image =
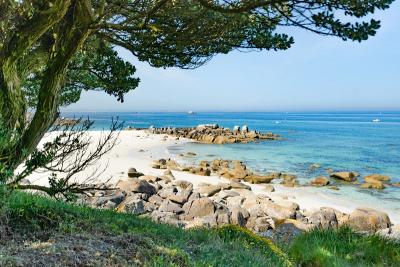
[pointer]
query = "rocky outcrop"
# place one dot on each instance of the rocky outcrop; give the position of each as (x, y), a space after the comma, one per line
(230, 169)
(375, 181)
(345, 176)
(177, 202)
(214, 134)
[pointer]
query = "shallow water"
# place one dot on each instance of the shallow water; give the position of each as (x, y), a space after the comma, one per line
(340, 141)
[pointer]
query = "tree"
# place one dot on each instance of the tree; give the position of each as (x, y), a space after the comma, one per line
(52, 50)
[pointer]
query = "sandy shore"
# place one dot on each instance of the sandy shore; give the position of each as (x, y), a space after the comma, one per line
(138, 149)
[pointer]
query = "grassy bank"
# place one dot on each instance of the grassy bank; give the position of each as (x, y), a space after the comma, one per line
(38, 231)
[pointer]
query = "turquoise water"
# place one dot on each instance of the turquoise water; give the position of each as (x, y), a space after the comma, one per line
(341, 141)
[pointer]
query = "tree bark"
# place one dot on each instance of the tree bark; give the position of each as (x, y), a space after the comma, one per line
(73, 35)
(12, 102)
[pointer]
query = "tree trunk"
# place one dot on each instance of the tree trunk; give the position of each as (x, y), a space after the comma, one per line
(75, 18)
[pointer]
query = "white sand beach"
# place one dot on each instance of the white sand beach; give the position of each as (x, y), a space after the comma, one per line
(138, 149)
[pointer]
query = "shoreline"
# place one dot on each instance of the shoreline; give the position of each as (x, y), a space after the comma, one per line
(138, 149)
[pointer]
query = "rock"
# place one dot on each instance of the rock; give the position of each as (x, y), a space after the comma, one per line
(239, 216)
(209, 190)
(168, 173)
(269, 188)
(227, 194)
(345, 176)
(235, 201)
(183, 184)
(169, 206)
(179, 199)
(286, 231)
(262, 224)
(223, 218)
(239, 185)
(201, 222)
(132, 205)
(116, 198)
(334, 187)
(167, 191)
(373, 184)
(137, 186)
(278, 212)
(156, 200)
(199, 207)
(369, 220)
(191, 154)
(376, 177)
(320, 181)
(132, 173)
(314, 166)
(396, 184)
(258, 179)
(167, 217)
(150, 178)
(324, 218)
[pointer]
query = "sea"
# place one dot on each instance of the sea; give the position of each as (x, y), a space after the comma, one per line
(365, 142)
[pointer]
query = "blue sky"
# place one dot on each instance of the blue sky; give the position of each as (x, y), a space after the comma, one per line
(317, 73)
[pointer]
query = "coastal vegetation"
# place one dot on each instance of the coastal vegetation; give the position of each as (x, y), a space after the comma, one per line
(35, 230)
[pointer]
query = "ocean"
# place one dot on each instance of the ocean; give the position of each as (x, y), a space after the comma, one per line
(341, 141)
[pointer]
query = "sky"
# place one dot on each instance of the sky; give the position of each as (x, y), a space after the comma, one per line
(317, 74)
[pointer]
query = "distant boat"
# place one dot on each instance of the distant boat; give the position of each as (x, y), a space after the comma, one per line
(191, 112)
(376, 120)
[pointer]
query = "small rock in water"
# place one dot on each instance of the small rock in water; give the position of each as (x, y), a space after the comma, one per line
(345, 176)
(320, 181)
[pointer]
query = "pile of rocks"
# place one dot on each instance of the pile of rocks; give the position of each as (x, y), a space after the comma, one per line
(177, 202)
(213, 134)
(230, 169)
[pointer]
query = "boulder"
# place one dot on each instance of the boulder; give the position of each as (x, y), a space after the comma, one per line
(169, 206)
(320, 181)
(156, 200)
(258, 179)
(373, 184)
(132, 205)
(209, 190)
(345, 176)
(132, 173)
(324, 218)
(238, 185)
(376, 177)
(199, 207)
(239, 216)
(235, 201)
(167, 191)
(137, 186)
(227, 194)
(369, 220)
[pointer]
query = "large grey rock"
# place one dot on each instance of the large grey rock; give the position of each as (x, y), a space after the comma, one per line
(132, 205)
(137, 186)
(324, 218)
(209, 190)
(199, 207)
(369, 220)
(169, 206)
(239, 216)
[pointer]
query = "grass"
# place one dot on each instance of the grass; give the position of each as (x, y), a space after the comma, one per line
(45, 231)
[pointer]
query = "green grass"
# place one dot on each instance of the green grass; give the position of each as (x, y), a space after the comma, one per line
(344, 248)
(119, 239)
